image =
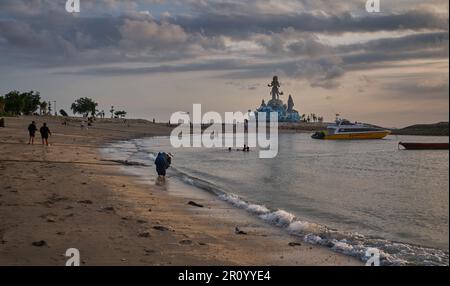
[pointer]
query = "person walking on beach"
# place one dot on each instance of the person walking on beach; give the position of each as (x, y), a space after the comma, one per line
(45, 132)
(32, 132)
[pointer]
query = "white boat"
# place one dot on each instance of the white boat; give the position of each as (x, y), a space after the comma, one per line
(343, 129)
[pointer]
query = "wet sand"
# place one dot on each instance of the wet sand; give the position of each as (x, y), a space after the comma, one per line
(66, 196)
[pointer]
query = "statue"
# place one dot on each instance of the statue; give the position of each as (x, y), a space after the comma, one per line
(286, 112)
(275, 85)
(290, 104)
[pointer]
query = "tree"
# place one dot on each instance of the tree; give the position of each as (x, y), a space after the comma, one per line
(31, 101)
(43, 108)
(120, 114)
(13, 102)
(84, 106)
(2, 104)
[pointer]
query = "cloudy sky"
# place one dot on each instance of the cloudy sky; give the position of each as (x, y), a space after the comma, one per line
(155, 57)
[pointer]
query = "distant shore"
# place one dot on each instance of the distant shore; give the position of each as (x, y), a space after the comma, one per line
(67, 196)
(437, 129)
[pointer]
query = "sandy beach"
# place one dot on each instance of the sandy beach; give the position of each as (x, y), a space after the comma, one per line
(66, 196)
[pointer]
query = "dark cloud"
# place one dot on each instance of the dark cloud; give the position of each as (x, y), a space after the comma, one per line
(271, 36)
(244, 25)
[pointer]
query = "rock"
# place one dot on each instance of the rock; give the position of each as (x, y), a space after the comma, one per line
(294, 244)
(239, 232)
(186, 242)
(161, 228)
(86, 202)
(149, 251)
(39, 243)
(145, 234)
(54, 198)
(141, 221)
(194, 204)
(106, 209)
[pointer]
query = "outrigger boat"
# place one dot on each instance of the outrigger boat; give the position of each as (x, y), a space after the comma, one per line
(424, 146)
(345, 130)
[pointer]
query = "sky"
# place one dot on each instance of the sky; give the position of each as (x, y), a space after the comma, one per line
(156, 57)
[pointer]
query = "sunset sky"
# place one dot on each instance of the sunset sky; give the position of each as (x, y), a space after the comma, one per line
(156, 57)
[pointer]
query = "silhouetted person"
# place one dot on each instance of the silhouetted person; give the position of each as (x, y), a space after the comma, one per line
(163, 162)
(32, 132)
(45, 132)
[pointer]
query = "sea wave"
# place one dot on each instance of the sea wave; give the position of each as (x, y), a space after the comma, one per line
(353, 244)
(349, 243)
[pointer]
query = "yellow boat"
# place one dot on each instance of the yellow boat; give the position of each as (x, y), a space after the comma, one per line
(345, 130)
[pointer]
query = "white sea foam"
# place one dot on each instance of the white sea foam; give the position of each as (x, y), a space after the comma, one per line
(342, 246)
(238, 202)
(279, 218)
(353, 244)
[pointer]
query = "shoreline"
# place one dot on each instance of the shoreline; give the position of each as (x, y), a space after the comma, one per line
(114, 220)
(354, 244)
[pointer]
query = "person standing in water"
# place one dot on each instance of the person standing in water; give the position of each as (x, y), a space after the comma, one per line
(32, 132)
(45, 132)
(162, 163)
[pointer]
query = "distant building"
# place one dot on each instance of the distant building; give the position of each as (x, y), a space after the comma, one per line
(286, 113)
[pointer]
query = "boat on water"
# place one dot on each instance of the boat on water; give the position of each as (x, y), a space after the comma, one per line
(343, 129)
(424, 146)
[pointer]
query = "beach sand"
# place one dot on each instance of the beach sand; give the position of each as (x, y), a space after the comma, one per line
(65, 196)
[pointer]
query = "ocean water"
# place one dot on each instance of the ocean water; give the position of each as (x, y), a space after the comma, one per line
(346, 195)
